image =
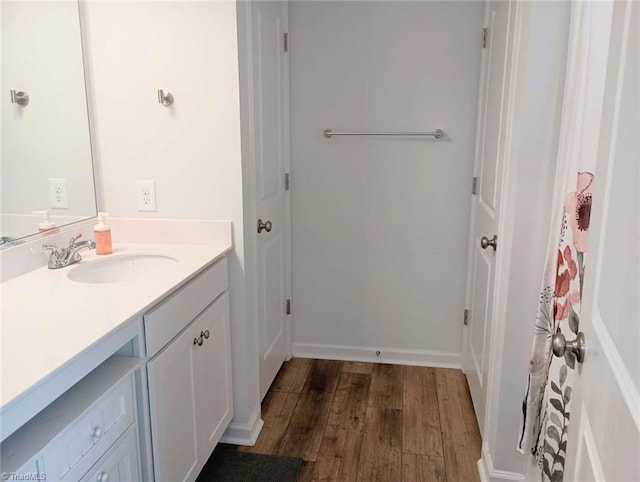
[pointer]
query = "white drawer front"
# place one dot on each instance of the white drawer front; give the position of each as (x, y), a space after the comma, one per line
(72, 453)
(32, 469)
(121, 463)
(166, 320)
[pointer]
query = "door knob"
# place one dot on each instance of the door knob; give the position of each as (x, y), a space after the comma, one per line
(486, 242)
(561, 346)
(264, 226)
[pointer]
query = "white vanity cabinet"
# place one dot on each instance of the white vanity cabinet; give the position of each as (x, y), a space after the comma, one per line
(190, 392)
(141, 393)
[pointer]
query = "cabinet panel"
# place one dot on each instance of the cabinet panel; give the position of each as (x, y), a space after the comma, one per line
(213, 375)
(120, 464)
(173, 412)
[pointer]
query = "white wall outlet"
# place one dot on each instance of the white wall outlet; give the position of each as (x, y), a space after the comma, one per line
(146, 195)
(58, 197)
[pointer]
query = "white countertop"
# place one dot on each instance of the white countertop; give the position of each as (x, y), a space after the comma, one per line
(49, 320)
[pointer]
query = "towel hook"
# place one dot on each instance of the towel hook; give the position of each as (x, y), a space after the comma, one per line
(166, 99)
(20, 98)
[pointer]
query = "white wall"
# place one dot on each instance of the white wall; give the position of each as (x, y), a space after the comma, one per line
(380, 225)
(48, 138)
(537, 127)
(192, 148)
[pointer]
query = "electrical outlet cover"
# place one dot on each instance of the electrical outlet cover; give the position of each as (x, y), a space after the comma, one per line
(58, 195)
(146, 195)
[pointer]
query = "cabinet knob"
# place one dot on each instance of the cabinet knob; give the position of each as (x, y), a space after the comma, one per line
(198, 341)
(205, 333)
(102, 477)
(266, 226)
(97, 433)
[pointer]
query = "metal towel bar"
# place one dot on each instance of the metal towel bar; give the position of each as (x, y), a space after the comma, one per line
(438, 133)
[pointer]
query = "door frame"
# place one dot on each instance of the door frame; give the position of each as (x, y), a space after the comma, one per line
(512, 129)
(249, 197)
(523, 40)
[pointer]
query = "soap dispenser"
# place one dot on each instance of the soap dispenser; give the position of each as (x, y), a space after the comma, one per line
(45, 224)
(102, 232)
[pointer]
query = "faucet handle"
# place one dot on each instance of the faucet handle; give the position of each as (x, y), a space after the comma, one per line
(73, 240)
(53, 250)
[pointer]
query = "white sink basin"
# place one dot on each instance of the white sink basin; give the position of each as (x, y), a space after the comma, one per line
(120, 268)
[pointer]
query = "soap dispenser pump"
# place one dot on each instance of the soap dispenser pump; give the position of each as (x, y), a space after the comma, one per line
(102, 232)
(45, 224)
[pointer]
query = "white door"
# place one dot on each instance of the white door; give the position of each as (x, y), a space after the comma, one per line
(484, 220)
(270, 145)
(604, 437)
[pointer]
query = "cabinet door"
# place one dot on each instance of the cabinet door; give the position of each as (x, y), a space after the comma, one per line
(173, 413)
(212, 363)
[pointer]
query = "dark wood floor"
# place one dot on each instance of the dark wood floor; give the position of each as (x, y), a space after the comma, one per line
(353, 421)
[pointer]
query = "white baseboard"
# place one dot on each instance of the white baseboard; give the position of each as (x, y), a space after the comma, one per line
(246, 433)
(394, 356)
(489, 474)
(482, 470)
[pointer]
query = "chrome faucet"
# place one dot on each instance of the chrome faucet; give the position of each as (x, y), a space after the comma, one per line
(6, 240)
(61, 257)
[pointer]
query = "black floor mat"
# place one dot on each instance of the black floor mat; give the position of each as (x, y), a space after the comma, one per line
(228, 465)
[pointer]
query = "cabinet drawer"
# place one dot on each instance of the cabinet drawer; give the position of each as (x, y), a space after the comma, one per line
(86, 440)
(31, 468)
(166, 320)
(121, 463)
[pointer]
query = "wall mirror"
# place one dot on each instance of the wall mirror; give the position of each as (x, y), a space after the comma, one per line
(46, 168)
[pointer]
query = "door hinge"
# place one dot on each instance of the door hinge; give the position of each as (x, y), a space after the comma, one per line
(287, 308)
(465, 320)
(286, 41)
(485, 37)
(474, 186)
(287, 181)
